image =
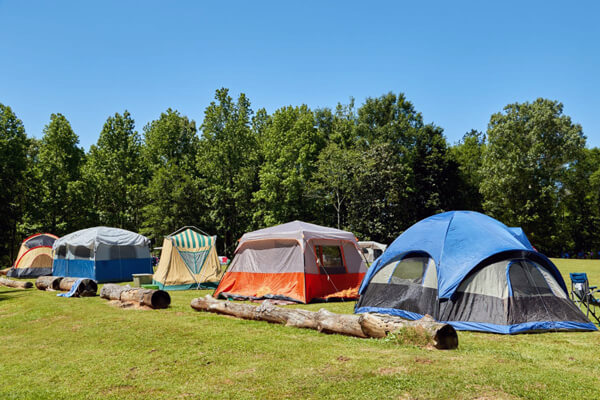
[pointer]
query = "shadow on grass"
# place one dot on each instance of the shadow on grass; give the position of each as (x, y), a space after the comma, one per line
(11, 294)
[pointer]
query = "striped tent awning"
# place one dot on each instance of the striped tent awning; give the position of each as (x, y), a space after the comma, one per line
(192, 240)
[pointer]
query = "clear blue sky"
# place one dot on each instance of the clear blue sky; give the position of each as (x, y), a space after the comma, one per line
(458, 62)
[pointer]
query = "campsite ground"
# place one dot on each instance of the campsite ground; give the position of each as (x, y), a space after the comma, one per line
(59, 348)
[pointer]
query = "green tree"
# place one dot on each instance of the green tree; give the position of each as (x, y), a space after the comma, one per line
(334, 182)
(531, 146)
(171, 139)
(227, 166)
(338, 126)
(579, 206)
(175, 200)
(389, 119)
(468, 153)
(434, 177)
(429, 174)
(290, 147)
(116, 174)
(30, 222)
(377, 209)
(58, 168)
(170, 149)
(13, 163)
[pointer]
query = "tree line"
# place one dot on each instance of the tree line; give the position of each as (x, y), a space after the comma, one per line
(374, 170)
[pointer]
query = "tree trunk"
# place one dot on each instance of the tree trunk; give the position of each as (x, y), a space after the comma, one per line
(144, 297)
(16, 284)
(48, 282)
(443, 336)
(87, 287)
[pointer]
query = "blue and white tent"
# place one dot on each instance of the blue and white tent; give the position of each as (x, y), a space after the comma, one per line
(103, 254)
(471, 271)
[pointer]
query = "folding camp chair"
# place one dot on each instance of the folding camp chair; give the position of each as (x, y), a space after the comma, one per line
(584, 294)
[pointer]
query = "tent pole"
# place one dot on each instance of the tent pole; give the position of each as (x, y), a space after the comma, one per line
(188, 227)
(169, 267)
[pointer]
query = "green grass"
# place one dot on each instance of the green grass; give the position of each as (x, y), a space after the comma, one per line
(57, 348)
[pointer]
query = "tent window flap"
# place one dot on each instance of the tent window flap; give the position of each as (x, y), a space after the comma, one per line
(330, 260)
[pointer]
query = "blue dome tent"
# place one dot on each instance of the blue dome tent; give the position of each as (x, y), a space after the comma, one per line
(473, 272)
(103, 254)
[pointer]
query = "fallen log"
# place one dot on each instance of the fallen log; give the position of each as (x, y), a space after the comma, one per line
(16, 284)
(347, 324)
(295, 317)
(442, 336)
(87, 287)
(380, 325)
(322, 320)
(144, 297)
(48, 282)
(111, 291)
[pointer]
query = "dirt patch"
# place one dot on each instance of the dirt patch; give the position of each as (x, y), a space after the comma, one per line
(188, 395)
(536, 386)
(119, 389)
(248, 371)
(492, 394)
(343, 358)
(128, 305)
(392, 371)
(132, 373)
(420, 360)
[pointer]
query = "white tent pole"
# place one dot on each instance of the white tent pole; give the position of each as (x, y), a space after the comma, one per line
(189, 227)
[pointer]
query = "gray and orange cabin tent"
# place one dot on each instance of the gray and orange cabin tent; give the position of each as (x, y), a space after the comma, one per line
(295, 261)
(35, 257)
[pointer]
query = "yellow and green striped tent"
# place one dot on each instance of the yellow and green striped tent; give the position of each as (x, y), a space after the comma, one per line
(188, 260)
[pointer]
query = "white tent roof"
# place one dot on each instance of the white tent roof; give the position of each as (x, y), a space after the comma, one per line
(91, 237)
(372, 245)
(298, 230)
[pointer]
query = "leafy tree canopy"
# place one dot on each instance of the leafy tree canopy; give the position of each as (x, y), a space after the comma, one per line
(531, 146)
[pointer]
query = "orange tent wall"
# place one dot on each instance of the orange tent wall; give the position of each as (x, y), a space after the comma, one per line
(336, 285)
(254, 284)
(295, 285)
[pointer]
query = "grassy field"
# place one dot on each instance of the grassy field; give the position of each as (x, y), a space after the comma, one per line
(58, 348)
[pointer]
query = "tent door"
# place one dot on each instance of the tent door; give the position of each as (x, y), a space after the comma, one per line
(194, 261)
(526, 280)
